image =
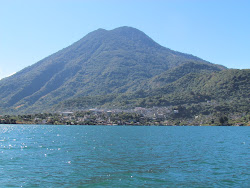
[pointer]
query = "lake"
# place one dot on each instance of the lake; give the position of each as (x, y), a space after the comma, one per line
(122, 156)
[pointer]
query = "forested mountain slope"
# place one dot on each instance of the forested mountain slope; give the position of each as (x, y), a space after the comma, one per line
(101, 63)
(227, 91)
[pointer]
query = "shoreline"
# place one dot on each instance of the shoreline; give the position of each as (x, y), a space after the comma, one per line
(129, 125)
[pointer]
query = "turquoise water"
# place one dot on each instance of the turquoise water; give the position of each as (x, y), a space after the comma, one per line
(107, 156)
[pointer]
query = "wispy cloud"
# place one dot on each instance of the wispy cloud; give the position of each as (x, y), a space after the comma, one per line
(2, 75)
(11, 74)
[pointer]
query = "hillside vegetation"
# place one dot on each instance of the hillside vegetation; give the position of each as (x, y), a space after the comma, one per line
(222, 91)
(125, 69)
(101, 63)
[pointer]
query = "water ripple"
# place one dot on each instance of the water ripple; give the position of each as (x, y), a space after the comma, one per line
(99, 156)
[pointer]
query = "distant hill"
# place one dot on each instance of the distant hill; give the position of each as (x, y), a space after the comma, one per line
(195, 87)
(103, 63)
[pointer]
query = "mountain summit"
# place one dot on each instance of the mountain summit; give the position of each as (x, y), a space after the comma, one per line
(102, 62)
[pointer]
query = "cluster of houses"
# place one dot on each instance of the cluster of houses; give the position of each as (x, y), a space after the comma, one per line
(136, 116)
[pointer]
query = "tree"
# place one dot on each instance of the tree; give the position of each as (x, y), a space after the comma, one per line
(223, 120)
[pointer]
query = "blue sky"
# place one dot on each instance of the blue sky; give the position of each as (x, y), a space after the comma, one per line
(215, 30)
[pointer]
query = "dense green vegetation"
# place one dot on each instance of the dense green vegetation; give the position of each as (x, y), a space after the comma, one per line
(102, 63)
(200, 93)
(124, 69)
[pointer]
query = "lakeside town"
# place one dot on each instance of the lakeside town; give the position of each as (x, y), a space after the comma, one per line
(159, 116)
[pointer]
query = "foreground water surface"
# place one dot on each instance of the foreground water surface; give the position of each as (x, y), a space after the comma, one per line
(107, 156)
